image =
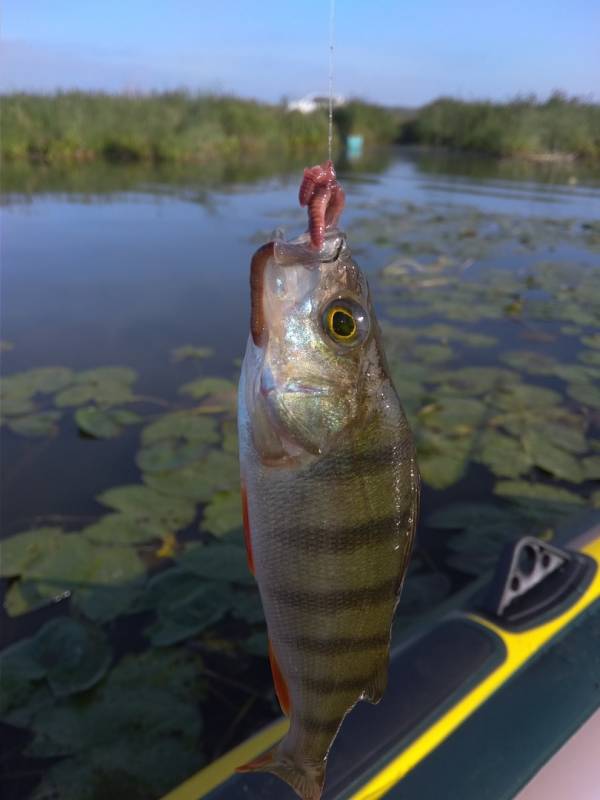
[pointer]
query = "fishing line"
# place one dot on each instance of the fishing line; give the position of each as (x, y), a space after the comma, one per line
(331, 49)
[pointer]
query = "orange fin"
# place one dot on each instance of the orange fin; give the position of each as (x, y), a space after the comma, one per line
(247, 538)
(281, 689)
(306, 780)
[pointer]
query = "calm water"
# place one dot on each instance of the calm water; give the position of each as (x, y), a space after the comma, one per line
(120, 266)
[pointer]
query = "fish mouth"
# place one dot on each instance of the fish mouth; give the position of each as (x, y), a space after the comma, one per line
(269, 387)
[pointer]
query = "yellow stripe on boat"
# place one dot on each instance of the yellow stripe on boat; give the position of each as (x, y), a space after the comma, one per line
(520, 647)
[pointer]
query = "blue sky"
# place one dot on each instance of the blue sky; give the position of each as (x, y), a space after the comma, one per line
(392, 52)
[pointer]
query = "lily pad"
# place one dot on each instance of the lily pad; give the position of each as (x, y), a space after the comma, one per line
(105, 386)
(585, 393)
(223, 514)
(187, 606)
(169, 455)
(119, 529)
(216, 471)
(190, 351)
(545, 454)
(503, 455)
(203, 387)
(137, 734)
(35, 426)
(21, 551)
(104, 423)
(43, 380)
(181, 425)
(71, 656)
(537, 491)
(217, 562)
(149, 507)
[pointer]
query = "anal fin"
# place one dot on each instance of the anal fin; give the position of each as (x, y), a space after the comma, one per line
(281, 689)
(306, 780)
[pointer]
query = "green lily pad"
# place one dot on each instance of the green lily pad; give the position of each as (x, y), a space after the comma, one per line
(590, 357)
(43, 380)
(216, 471)
(526, 395)
(189, 351)
(217, 562)
(503, 455)
(537, 491)
(591, 341)
(105, 386)
(433, 353)
(218, 394)
(585, 393)
(21, 551)
(71, 656)
(468, 381)
(186, 606)
(223, 514)
(119, 529)
(169, 455)
(35, 426)
(545, 454)
(184, 425)
(104, 423)
(530, 361)
(137, 734)
(591, 467)
(147, 506)
(448, 413)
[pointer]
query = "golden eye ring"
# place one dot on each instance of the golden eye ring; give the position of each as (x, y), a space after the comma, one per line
(341, 324)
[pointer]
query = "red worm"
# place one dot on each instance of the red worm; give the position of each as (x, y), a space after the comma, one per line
(324, 197)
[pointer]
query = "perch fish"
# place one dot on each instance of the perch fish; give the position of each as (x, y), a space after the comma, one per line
(330, 484)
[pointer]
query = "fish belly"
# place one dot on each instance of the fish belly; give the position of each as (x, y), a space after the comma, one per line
(331, 542)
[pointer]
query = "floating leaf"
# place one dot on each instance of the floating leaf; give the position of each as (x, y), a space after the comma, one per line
(585, 393)
(104, 423)
(525, 395)
(135, 736)
(147, 506)
(43, 380)
(223, 514)
(203, 387)
(590, 357)
(433, 353)
(530, 361)
(537, 491)
(591, 467)
(106, 386)
(216, 471)
(184, 425)
(186, 606)
(544, 453)
(448, 413)
(169, 455)
(71, 656)
(503, 455)
(217, 562)
(120, 529)
(21, 551)
(37, 425)
(191, 351)
(591, 341)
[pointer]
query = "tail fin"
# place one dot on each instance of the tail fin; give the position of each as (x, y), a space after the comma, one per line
(306, 779)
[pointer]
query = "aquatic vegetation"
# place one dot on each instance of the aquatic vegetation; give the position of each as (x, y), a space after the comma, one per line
(492, 342)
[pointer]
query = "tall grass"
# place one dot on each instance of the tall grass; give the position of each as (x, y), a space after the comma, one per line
(523, 127)
(179, 127)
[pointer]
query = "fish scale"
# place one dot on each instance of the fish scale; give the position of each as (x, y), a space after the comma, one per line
(331, 486)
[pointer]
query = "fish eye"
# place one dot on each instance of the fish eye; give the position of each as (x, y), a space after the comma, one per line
(345, 322)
